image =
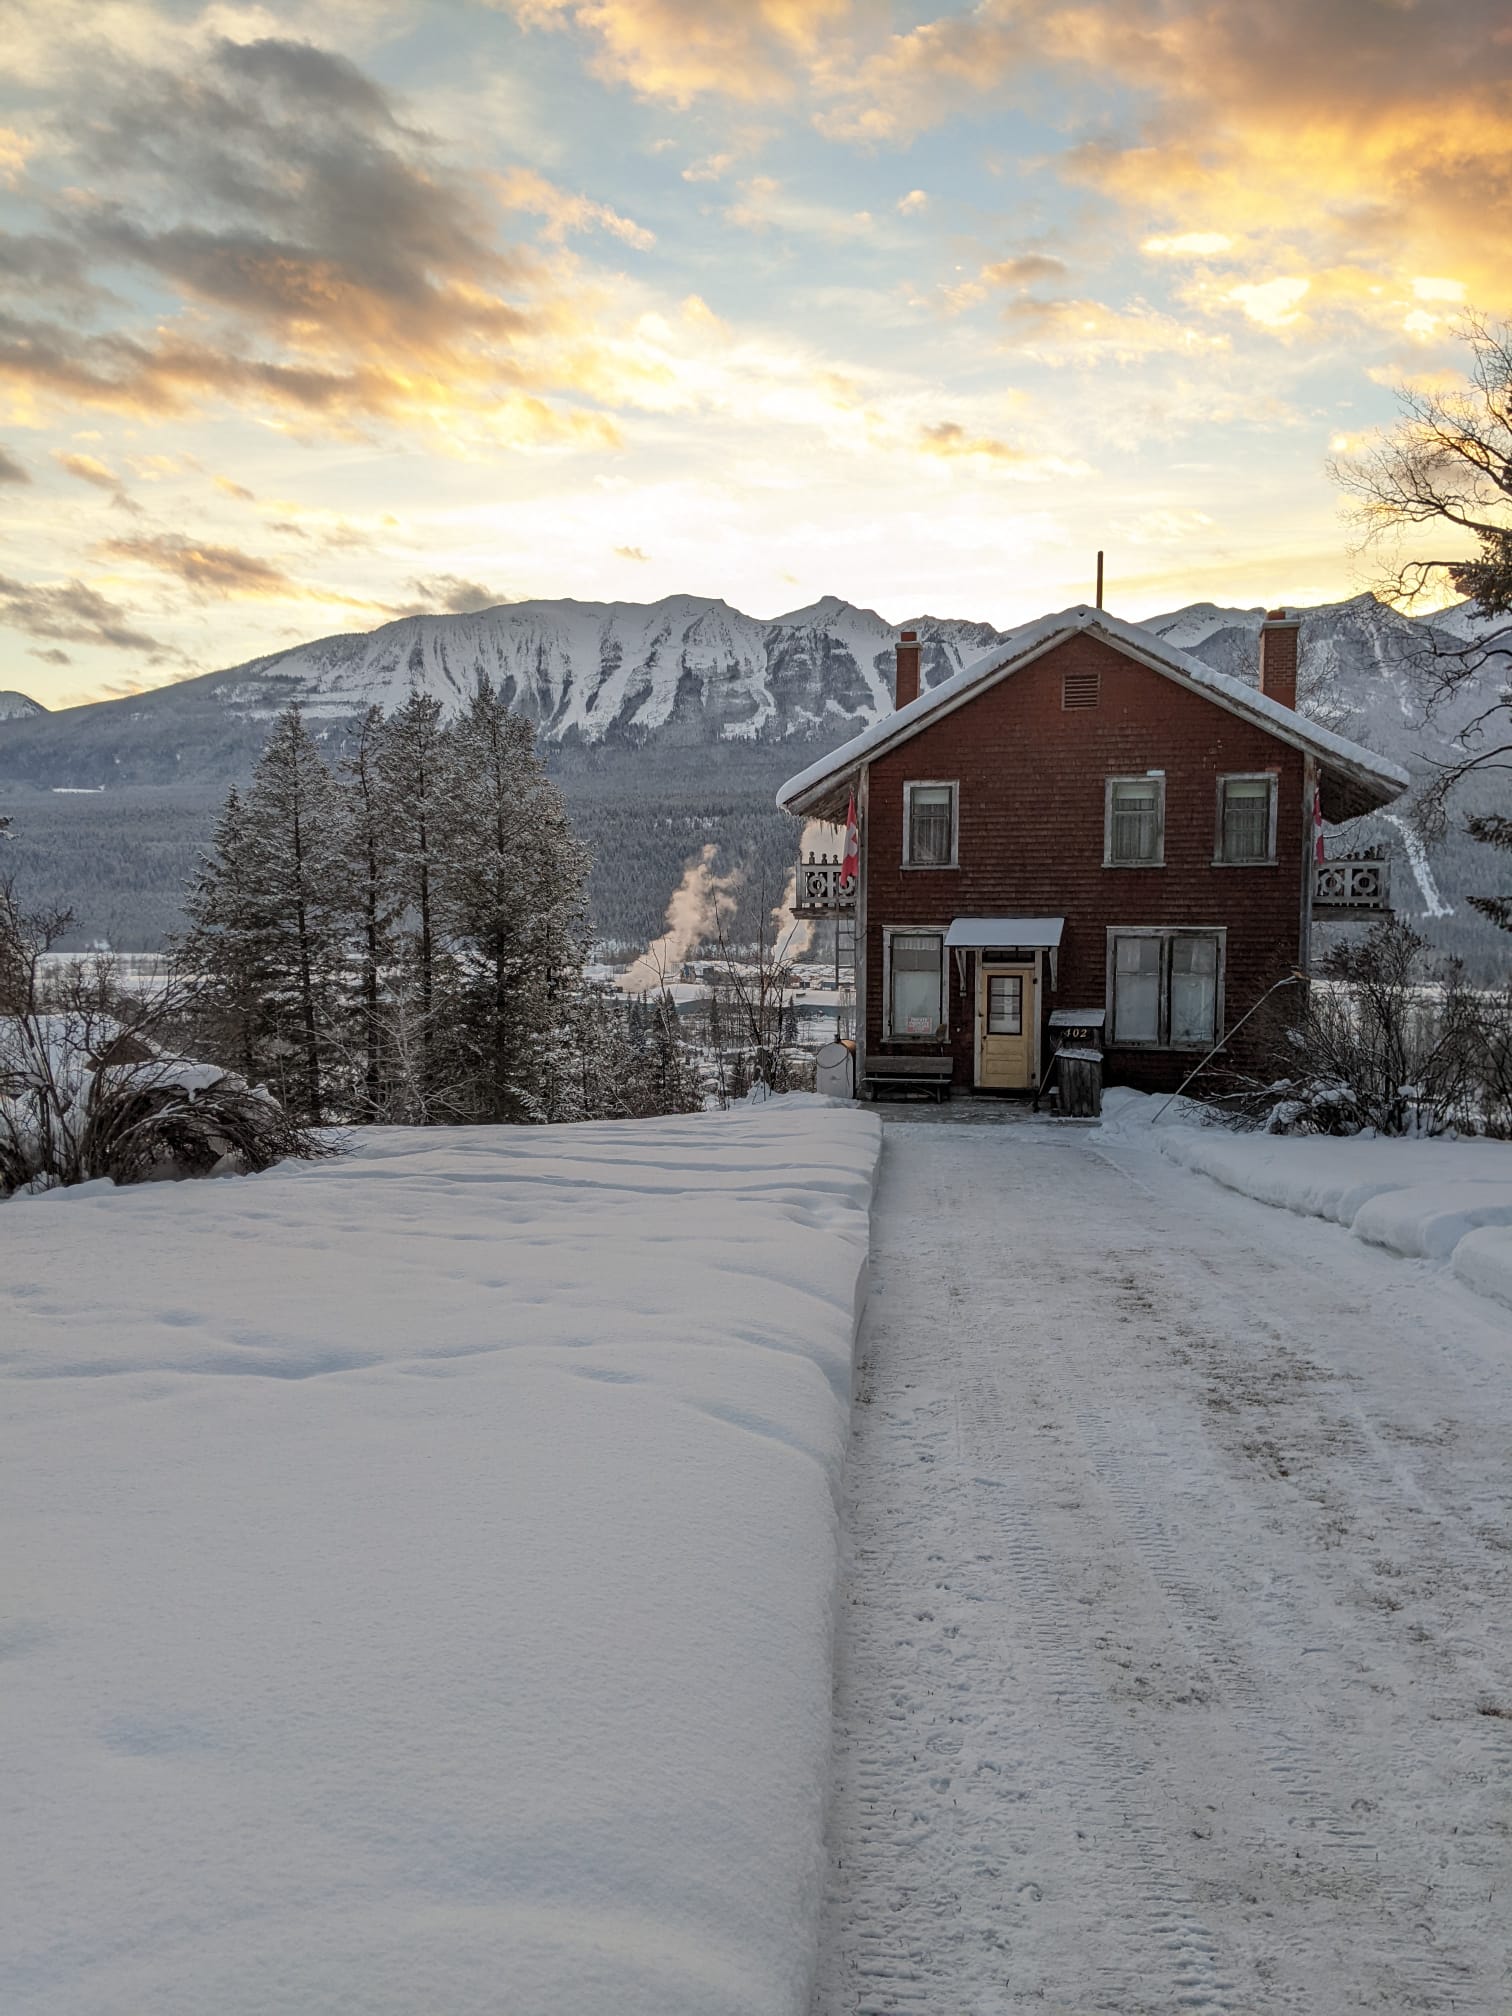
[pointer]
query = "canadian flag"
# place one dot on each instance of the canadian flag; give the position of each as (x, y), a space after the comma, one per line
(1317, 826)
(850, 857)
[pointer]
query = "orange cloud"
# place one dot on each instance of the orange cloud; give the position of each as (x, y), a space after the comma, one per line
(326, 264)
(1360, 133)
(222, 573)
(524, 189)
(679, 50)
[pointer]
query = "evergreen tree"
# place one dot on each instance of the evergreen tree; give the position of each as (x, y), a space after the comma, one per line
(366, 843)
(1495, 831)
(410, 769)
(222, 952)
(300, 901)
(509, 899)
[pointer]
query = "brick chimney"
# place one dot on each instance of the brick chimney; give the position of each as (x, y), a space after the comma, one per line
(906, 679)
(1278, 656)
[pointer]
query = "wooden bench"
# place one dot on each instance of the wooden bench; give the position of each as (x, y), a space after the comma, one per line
(924, 1075)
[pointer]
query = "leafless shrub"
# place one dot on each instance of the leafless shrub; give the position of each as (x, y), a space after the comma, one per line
(1388, 1040)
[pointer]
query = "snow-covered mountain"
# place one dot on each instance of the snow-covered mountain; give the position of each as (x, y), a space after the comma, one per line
(19, 707)
(644, 702)
(680, 671)
(681, 668)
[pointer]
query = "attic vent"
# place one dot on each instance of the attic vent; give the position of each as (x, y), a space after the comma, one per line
(1079, 689)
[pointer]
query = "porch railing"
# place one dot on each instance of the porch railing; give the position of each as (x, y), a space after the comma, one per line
(1353, 882)
(819, 893)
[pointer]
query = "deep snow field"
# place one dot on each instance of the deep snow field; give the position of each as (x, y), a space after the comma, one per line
(421, 1572)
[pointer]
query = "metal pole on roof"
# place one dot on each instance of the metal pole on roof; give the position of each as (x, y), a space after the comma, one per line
(1099, 580)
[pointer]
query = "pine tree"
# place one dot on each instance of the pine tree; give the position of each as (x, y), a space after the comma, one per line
(222, 952)
(1495, 831)
(301, 900)
(366, 844)
(410, 769)
(509, 899)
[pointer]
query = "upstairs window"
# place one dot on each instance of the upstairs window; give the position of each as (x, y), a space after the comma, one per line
(1134, 833)
(1246, 819)
(1165, 988)
(929, 826)
(915, 983)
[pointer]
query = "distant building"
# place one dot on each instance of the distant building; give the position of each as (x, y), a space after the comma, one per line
(1089, 823)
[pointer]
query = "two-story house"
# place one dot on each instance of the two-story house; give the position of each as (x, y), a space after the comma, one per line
(1088, 825)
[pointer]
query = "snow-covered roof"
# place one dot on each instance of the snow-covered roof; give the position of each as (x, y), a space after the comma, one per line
(974, 934)
(1380, 777)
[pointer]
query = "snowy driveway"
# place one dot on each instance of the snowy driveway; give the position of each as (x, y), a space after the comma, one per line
(1174, 1670)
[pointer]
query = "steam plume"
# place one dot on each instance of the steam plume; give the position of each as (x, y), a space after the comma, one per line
(701, 901)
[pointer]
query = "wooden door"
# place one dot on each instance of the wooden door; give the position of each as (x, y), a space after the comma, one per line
(1006, 1021)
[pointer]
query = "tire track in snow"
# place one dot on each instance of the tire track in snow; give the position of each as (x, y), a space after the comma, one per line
(1109, 1685)
(1148, 1885)
(1289, 1759)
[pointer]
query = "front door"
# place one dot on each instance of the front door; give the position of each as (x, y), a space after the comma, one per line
(1006, 1020)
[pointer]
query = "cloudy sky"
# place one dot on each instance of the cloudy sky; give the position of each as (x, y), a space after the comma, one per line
(310, 316)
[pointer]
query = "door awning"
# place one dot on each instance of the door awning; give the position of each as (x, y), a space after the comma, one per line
(975, 934)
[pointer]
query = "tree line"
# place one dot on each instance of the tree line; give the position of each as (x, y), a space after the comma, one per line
(402, 936)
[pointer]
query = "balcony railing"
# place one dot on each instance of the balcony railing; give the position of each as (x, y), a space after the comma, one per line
(1359, 882)
(819, 893)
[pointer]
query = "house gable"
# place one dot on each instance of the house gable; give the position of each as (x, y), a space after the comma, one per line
(1354, 779)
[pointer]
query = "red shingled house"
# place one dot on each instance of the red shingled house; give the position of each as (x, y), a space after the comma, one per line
(1085, 828)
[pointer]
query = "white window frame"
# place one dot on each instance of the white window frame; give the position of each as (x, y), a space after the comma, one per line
(950, 784)
(1165, 933)
(1144, 777)
(889, 1034)
(1268, 858)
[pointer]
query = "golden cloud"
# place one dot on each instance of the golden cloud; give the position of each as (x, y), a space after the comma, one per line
(215, 573)
(525, 189)
(679, 50)
(15, 151)
(323, 261)
(89, 469)
(1378, 136)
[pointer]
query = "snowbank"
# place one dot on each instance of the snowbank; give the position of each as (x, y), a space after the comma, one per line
(423, 1573)
(1449, 1201)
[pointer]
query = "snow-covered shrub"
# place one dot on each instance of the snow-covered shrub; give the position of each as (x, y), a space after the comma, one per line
(78, 1103)
(90, 1087)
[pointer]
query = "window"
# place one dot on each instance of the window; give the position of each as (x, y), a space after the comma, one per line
(929, 835)
(1134, 834)
(916, 983)
(1136, 990)
(1005, 1004)
(1166, 988)
(1246, 819)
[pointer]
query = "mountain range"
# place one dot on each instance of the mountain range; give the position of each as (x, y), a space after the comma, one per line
(662, 706)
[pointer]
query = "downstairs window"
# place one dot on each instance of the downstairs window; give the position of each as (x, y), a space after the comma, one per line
(1165, 988)
(916, 983)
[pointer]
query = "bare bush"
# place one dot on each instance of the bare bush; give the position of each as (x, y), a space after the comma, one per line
(1387, 1040)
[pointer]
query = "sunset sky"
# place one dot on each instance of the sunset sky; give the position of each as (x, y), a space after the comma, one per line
(313, 315)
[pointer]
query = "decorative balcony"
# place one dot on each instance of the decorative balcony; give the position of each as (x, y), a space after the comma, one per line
(819, 893)
(1355, 885)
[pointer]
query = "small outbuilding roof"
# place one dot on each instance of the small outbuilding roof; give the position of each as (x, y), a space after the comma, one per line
(975, 934)
(1366, 780)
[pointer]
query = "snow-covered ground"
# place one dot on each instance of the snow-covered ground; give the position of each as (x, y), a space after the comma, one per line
(1175, 1670)
(420, 1572)
(1444, 1201)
